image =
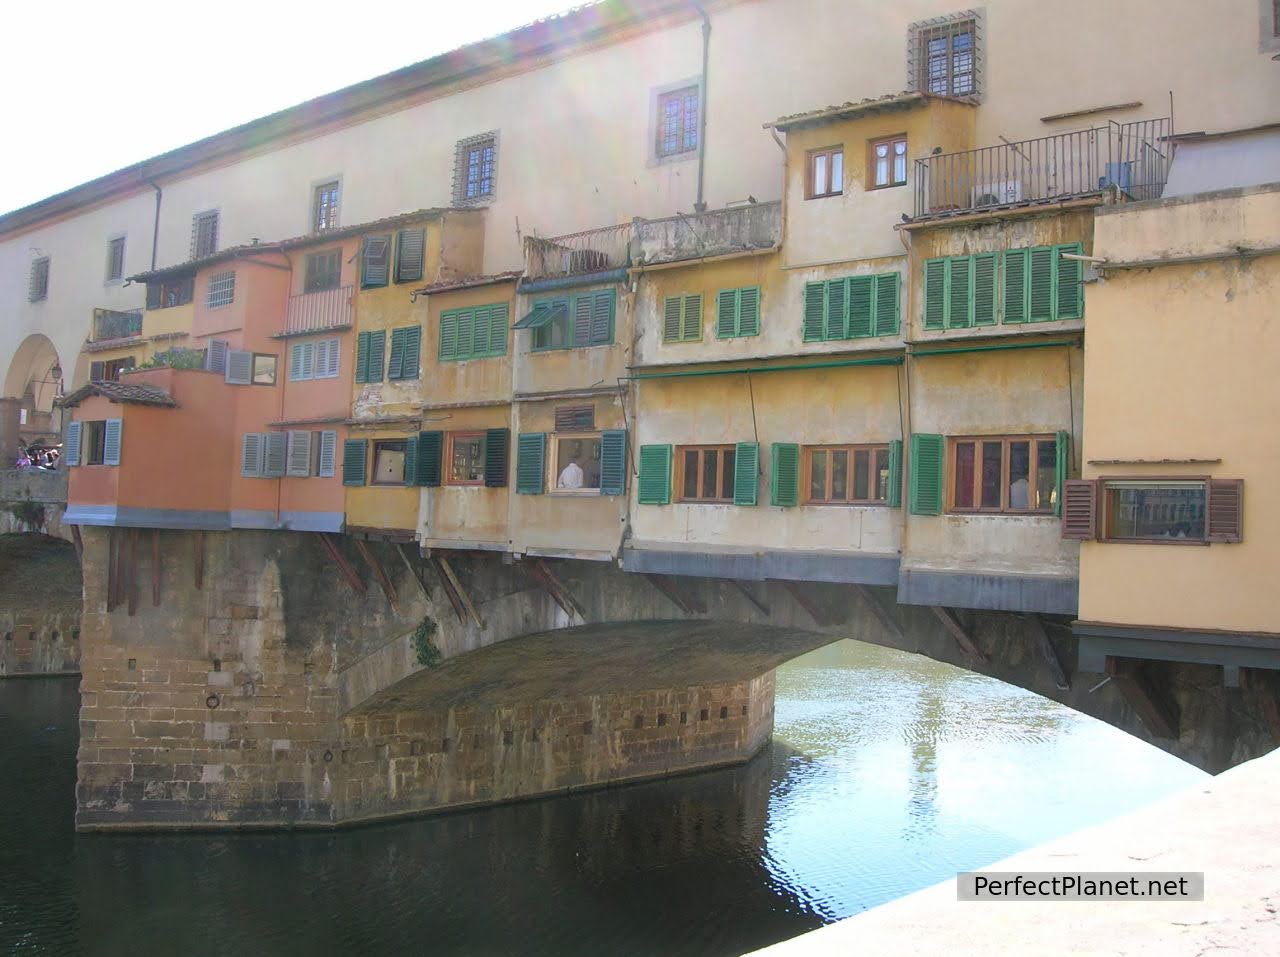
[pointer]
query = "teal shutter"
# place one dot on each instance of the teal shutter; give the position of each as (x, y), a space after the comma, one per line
(926, 474)
(749, 311)
(894, 496)
(959, 292)
(395, 367)
(886, 290)
(1040, 293)
(410, 244)
(448, 336)
(430, 453)
(411, 460)
(862, 306)
(499, 329)
(655, 475)
(412, 352)
(746, 473)
(726, 313)
(377, 351)
(530, 473)
(815, 310)
(497, 445)
(1068, 279)
(1015, 285)
(613, 462)
(935, 294)
(72, 447)
(353, 461)
(836, 320)
(111, 438)
(362, 357)
(602, 309)
(784, 488)
(374, 260)
(984, 289)
(1062, 469)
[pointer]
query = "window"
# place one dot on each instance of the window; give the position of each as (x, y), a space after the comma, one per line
(264, 454)
(853, 307)
(826, 173)
(410, 244)
(109, 370)
(38, 281)
(473, 333)
(311, 454)
(582, 320)
(1015, 286)
(324, 271)
(315, 359)
(388, 462)
(264, 369)
(375, 261)
(575, 418)
(1004, 473)
(406, 352)
(706, 473)
(325, 200)
(847, 475)
(204, 234)
(475, 169)
(170, 292)
(370, 350)
(222, 290)
(677, 122)
(1155, 511)
(945, 56)
(682, 318)
(888, 162)
(466, 458)
(577, 463)
(115, 259)
(95, 439)
(738, 312)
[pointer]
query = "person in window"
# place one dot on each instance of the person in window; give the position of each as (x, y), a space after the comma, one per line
(1018, 489)
(571, 475)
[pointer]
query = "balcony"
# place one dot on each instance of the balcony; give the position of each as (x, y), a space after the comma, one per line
(577, 254)
(719, 232)
(111, 324)
(1131, 158)
(319, 311)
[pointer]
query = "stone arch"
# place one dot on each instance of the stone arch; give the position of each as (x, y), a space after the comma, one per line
(29, 390)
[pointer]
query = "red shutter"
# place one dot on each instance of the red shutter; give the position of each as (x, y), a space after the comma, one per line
(1080, 509)
(1226, 510)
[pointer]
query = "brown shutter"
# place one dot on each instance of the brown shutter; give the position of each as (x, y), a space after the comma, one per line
(1226, 510)
(1080, 509)
(575, 418)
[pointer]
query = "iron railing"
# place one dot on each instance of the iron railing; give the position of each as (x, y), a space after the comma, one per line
(317, 311)
(716, 232)
(577, 254)
(112, 324)
(1131, 158)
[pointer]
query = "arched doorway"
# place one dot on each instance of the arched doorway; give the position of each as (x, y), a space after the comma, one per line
(32, 382)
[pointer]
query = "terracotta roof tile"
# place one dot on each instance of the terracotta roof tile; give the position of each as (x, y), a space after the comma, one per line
(118, 392)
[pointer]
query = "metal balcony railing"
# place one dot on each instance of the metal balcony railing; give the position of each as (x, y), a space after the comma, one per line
(1131, 158)
(577, 254)
(112, 324)
(317, 311)
(714, 233)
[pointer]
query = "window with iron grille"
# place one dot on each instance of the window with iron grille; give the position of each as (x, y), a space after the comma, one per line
(325, 200)
(677, 122)
(324, 271)
(944, 55)
(222, 290)
(204, 234)
(115, 259)
(475, 169)
(38, 281)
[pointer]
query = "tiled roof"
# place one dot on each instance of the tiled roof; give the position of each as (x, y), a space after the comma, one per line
(445, 285)
(875, 104)
(119, 392)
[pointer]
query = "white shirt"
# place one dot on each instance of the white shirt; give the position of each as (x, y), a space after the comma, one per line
(571, 476)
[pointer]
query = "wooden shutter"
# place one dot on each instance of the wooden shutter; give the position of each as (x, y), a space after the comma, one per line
(497, 449)
(984, 289)
(1040, 292)
(815, 311)
(499, 322)
(354, 452)
(275, 459)
(530, 472)
(575, 418)
(96, 370)
(153, 295)
(862, 306)
(894, 492)
(746, 473)
(727, 313)
(654, 486)
(784, 489)
(959, 292)
(309, 360)
(295, 361)
(581, 320)
(835, 320)
(328, 454)
(1068, 298)
(409, 248)
(251, 455)
(430, 456)
(362, 357)
(1080, 509)
(926, 474)
(239, 367)
(613, 462)
(480, 331)
(71, 446)
(299, 454)
(466, 320)
(374, 260)
(691, 318)
(377, 350)
(886, 289)
(1062, 468)
(935, 294)
(602, 307)
(672, 308)
(448, 336)
(749, 311)
(1225, 509)
(332, 359)
(395, 367)
(1015, 285)
(412, 352)
(411, 460)
(215, 357)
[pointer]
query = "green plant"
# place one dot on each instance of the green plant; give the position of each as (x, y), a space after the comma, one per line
(30, 514)
(175, 358)
(424, 647)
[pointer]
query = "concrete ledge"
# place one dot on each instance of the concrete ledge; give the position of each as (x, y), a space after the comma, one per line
(748, 564)
(111, 515)
(313, 521)
(994, 592)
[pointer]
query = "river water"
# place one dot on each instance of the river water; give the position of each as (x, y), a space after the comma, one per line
(888, 772)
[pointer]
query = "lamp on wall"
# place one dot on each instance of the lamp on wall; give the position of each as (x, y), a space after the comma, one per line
(55, 374)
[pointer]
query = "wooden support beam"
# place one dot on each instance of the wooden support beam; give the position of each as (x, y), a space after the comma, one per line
(806, 601)
(155, 567)
(132, 572)
(674, 594)
(455, 599)
(379, 573)
(1157, 711)
(951, 622)
(449, 575)
(742, 590)
(887, 620)
(78, 541)
(412, 569)
(552, 585)
(199, 548)
(1047, 651)
(345, 567)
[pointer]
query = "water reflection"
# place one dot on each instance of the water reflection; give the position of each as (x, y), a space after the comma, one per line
(888, 772)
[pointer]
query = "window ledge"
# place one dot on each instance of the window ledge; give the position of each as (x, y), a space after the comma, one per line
(575, 492)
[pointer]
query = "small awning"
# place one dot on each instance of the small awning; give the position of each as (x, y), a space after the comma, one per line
(541, 314)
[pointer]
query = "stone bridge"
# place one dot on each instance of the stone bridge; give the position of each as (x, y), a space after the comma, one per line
(287, 679)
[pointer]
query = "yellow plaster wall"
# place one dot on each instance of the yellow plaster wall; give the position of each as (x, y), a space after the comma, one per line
(380, 506)
(158, 322)
(467, 513)
(470, 380)
(553, 370)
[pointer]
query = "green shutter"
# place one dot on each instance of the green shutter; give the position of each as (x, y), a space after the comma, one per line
(497, 445)
(726, 313)
(984, 289)
(480, 331)
(530, 453)
(377, 350)
(466, 333)
(374, 259)
(603, 304)
(411, 460)
(836, 318)
(784, 487)
(691, 318)
(499, 321)
(353, 460)
(449, 335)
(894, 498)
(1040, 293)
(886, 290)
(395, 367)
(412, 352)
(862, 306)
(362, 357)
(935, 293)
(749, 311)
(1015, 285)
(410, 244)
(926, 474)
(671, 312)
(1069, 291)
(655, 475)
(613, 462)
(1062, 469)
(746, 473)
(815, 311)
(430, 452)
(959, 292)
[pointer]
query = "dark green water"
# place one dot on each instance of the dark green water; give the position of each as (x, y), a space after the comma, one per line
(888, 772)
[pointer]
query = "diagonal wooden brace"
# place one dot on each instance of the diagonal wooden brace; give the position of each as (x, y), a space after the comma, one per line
(379, 573)
(345, 567)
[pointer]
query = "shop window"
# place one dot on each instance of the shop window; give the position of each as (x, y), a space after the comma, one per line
(1008, 474)
(466, 458)
(847, 475)
(388, 462)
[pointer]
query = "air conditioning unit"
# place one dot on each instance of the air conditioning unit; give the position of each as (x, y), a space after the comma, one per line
(1001, 193)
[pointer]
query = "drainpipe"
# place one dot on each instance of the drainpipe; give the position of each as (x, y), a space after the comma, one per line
(700, 206)
(155, 230)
